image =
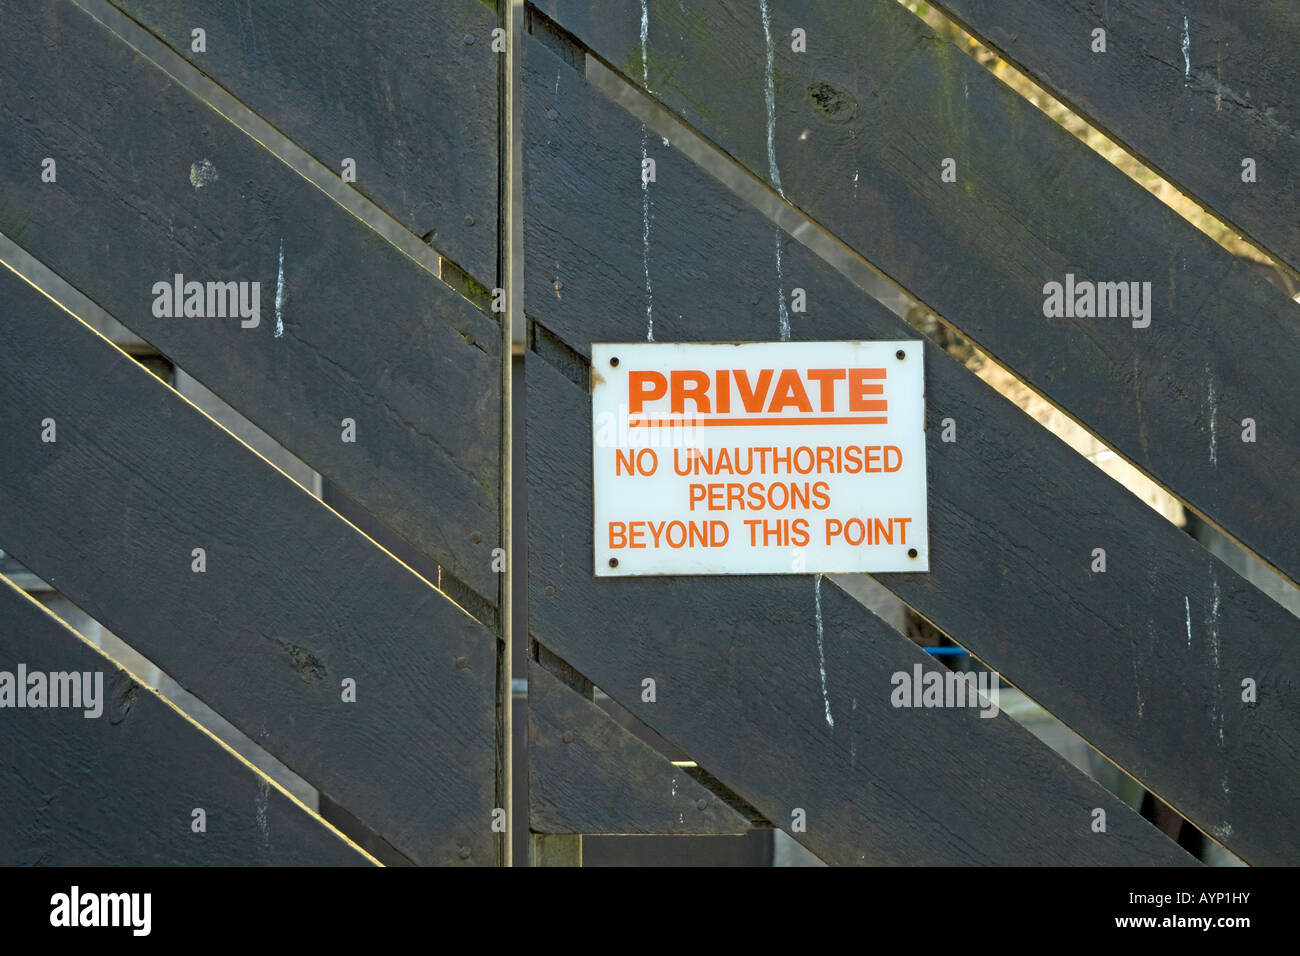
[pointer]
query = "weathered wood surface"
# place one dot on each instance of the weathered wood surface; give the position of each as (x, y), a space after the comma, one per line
(293, 599)
(589, 775)
(406, 88)
(1192, 114)
(555, 849)
(1014, 512)
(121, 787)
(736, 665)
(152, 182)
(859, 128)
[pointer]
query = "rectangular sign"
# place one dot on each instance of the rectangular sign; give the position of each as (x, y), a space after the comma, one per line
(759, 458)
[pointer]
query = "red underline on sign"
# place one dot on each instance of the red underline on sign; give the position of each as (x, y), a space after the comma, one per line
(728, 422)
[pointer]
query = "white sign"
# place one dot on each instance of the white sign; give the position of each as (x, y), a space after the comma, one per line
(759, 458)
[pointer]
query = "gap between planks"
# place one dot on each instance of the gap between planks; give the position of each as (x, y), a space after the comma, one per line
(34, 272)
(150, 689)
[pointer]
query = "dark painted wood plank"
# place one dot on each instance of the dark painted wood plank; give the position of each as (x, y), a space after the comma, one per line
(293, 600)
(1014, 512)
(736, 665)
(1236, 94)
(589, 775)
(121, 787)
(367, 334)
(406, 88)
(861, 125)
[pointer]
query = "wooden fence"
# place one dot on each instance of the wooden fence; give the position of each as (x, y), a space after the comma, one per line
(153, 181)
(892, 145)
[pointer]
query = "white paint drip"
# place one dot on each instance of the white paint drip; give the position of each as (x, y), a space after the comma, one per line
(645, 246)
(674, 786)
(853, 148)
(645, 37)
(1187, 46)
(821, 649)
(279, 295)
(263, 792)
(1138, 688)
(773, 170)
(1217, 711)
(783, 323)
(645, 185)
(1214, 421)
(1187, 606)
(769, 92)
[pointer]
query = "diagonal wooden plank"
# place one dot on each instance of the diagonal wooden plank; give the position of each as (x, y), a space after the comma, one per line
(292, 600)
(856, 135)
(151, 183)
(121, 786)
(1014, 513)
(587, 774)
(406, 89)
(736, 667)
(1192, 113)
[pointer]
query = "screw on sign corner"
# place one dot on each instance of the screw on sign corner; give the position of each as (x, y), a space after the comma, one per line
(614, 360)
(900, 355)
(911, 552)
(613, 562)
